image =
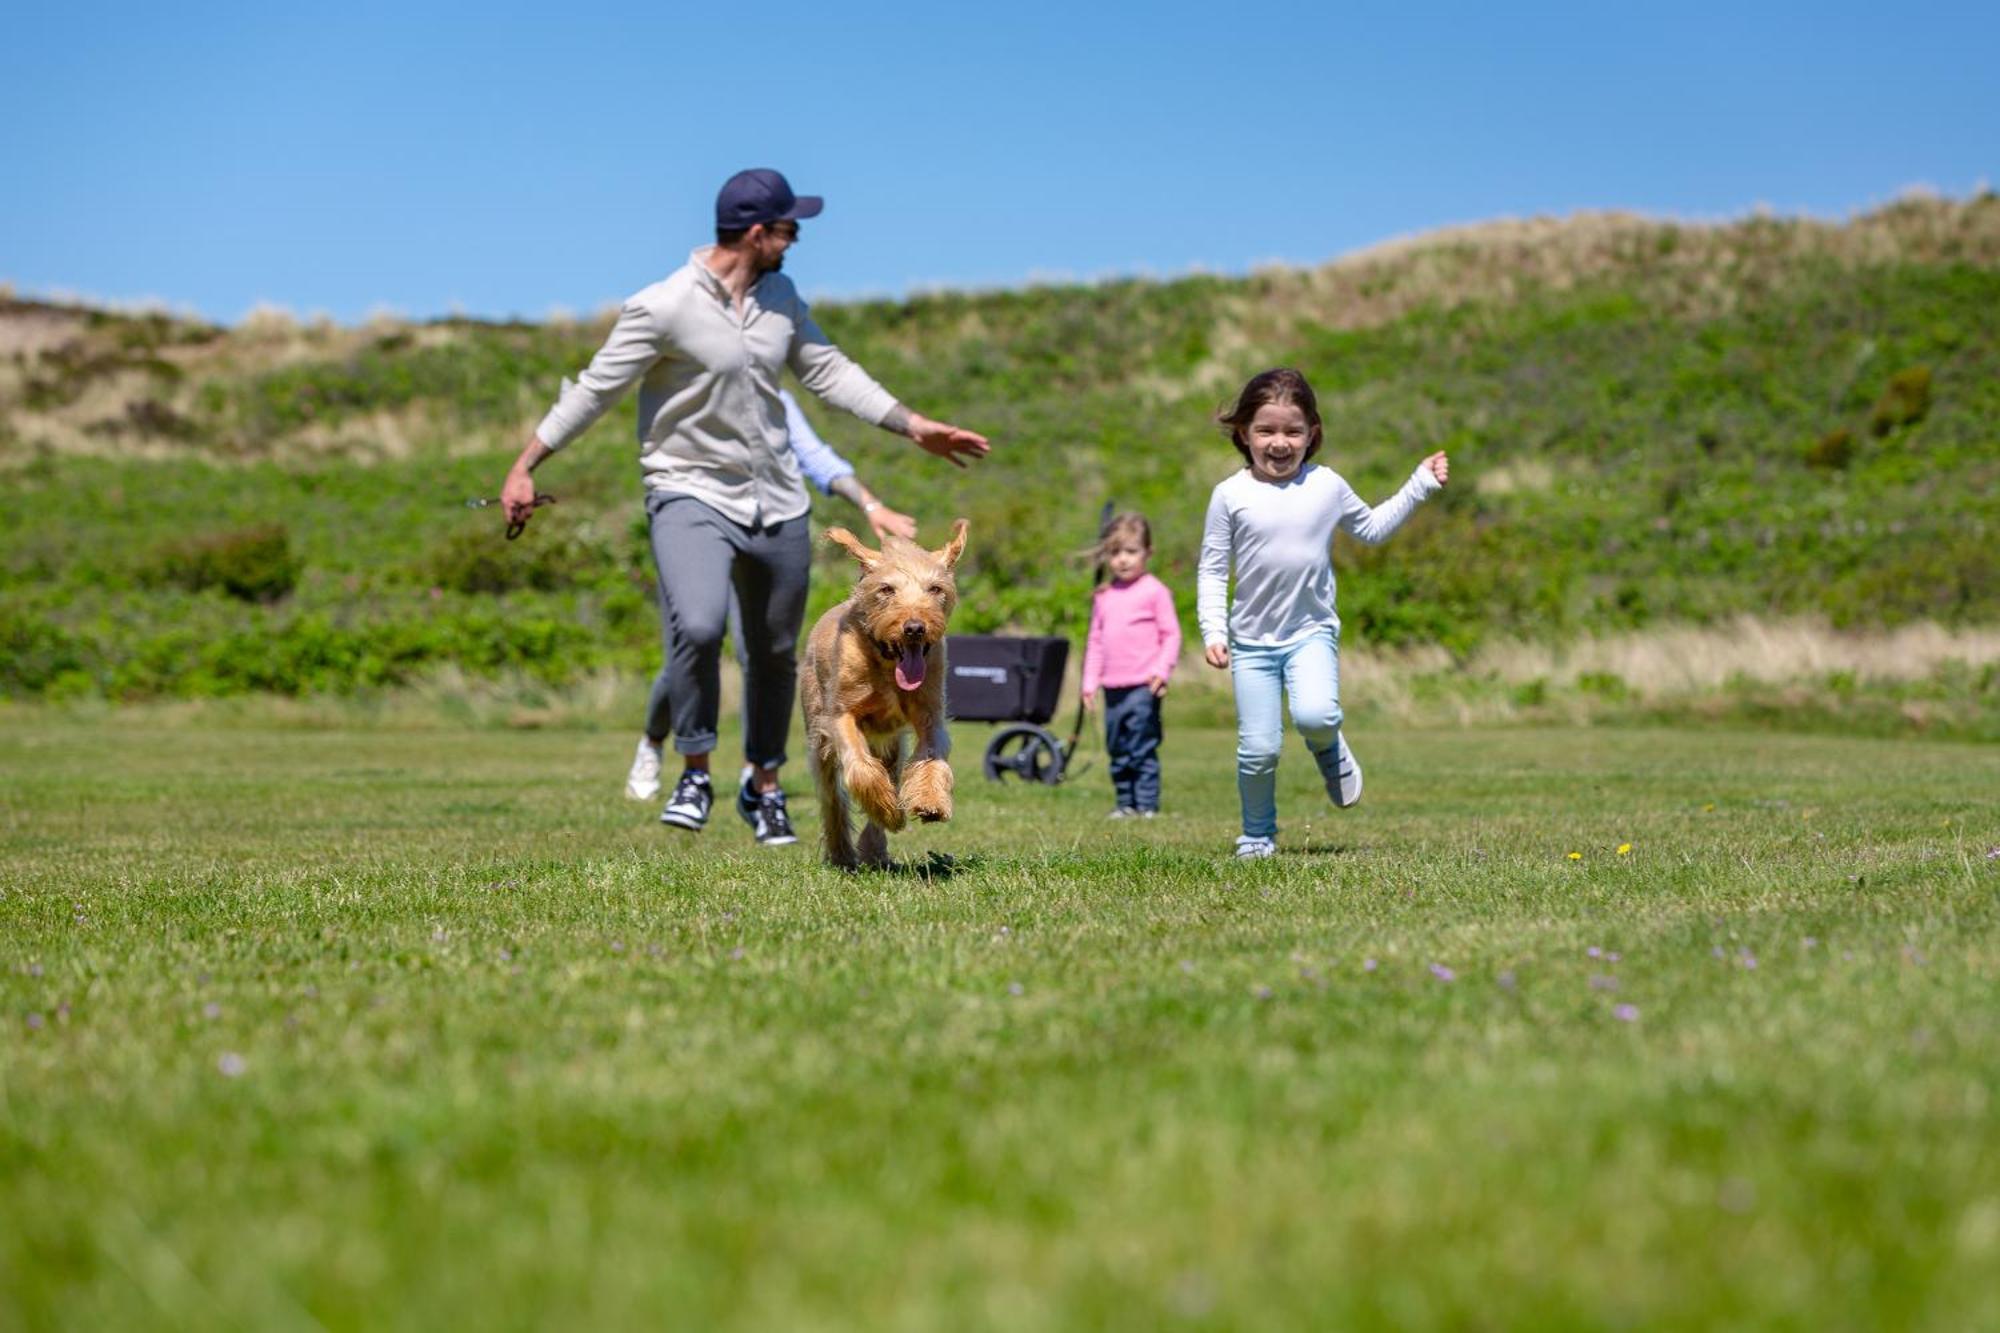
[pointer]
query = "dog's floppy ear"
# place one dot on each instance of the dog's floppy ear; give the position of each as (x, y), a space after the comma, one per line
(842, 537)
(949, 553)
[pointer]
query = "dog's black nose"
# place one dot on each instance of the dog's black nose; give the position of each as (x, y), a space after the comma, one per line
(913, 629)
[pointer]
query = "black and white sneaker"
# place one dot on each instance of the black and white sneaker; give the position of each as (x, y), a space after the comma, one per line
(688, 807)
(766, 815)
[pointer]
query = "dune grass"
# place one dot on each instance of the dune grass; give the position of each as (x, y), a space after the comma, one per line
(387, 1028)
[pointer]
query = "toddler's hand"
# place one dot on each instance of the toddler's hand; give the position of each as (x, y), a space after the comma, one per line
(1090, 700)
(1440, 467)
(1216, 655)
(1157, 684)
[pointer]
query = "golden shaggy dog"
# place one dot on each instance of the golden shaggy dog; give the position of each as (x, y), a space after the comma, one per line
(874, 669)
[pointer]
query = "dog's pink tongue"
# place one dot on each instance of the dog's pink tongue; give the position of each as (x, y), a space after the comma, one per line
(910, 669)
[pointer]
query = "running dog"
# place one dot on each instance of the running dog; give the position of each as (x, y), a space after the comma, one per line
(874, 669)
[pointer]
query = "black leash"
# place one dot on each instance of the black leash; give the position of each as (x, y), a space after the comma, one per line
(519, 525)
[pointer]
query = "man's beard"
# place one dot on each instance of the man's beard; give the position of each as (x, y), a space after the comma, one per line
(775, 266)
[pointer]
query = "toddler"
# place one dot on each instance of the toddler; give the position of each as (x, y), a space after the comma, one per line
(1135, 638)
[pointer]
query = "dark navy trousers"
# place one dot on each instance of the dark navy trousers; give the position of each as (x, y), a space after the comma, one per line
(1132, 741)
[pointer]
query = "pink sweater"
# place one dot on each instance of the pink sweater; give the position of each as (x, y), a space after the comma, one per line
(1134, 634)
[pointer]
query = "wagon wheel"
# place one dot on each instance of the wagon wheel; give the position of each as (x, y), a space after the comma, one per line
(1027, 752)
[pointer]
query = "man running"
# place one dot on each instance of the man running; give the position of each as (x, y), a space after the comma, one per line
(724, 498)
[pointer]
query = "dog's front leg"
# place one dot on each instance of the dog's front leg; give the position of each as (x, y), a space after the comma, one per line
(865, 777)
(835, 835)
(926, 790)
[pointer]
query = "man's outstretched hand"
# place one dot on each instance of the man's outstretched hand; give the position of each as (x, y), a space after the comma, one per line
(951, 443)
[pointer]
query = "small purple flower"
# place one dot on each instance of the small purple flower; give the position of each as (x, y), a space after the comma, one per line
(1016, 988)
(211, 1010)
(231, 1065)
(618, 946)
(1811, 942)
(736, 955)
(1993, 853)
(1443, 973)
(35, 1022)
(1368, 965)
(1593, 952)
(1749, 961)
(1506, 979)
(1264, 992)
(1604, 983)
(1716, 952)
(1626, 1013)
(1614, 957)
(506, 955)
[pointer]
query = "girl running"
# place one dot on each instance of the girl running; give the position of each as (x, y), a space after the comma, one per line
(1273, 524)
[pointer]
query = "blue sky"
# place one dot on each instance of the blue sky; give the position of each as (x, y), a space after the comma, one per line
(509, 160)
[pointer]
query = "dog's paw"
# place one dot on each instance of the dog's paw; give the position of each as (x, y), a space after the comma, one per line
(873, 790)
(927, 791)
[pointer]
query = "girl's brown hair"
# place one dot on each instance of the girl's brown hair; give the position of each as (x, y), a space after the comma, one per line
(1125, 525)
(1282, 385)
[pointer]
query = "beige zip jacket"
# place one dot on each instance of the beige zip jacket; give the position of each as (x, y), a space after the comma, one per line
(711, 423)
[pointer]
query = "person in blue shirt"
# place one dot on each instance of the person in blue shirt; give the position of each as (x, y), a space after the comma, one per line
(834, 475)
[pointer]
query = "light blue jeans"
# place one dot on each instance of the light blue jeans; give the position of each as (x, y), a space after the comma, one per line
(1308, 672)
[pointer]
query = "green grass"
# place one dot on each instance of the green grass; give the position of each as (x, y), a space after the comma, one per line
(511, 1056)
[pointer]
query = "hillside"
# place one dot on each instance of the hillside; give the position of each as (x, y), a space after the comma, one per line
(1651, 424)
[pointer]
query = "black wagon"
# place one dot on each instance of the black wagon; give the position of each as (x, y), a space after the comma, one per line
(1014, 679)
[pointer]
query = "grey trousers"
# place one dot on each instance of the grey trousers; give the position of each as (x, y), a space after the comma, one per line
(701, 557)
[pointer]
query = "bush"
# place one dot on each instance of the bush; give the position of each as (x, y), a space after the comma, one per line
(1906, 401)
(476, 559)
(255, 564)
(1831, 451)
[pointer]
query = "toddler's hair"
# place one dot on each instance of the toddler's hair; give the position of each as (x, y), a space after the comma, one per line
(1282, 385)
(1124, 525)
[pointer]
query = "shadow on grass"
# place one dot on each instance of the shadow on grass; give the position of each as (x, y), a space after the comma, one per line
(1319, 849)
(933, 866)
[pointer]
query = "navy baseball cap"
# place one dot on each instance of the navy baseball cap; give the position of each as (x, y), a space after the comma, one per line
(762, 195)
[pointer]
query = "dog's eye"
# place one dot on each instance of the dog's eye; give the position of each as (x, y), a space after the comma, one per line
(937, 590)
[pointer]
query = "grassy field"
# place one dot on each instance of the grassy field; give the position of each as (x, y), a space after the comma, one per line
(407, 1027)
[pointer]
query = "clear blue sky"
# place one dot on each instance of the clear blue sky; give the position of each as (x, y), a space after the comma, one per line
(509, 159)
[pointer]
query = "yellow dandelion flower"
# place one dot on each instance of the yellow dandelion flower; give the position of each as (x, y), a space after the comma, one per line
(1708, 809)
(1624, 849)
(1576, 856)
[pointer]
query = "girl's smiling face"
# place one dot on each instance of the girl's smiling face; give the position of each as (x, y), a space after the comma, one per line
(1278, 437)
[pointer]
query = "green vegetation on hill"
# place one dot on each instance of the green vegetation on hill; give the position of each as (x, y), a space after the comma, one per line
(1649, 424)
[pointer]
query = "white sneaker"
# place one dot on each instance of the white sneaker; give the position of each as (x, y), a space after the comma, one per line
(643, 782)
(1255, 849)
(1345, 784)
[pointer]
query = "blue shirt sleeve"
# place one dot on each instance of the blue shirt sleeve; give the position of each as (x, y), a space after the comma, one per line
(817, 460)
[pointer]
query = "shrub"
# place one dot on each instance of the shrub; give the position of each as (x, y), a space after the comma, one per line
(475, 559)
(255, 564)
(1904, 402)
(1831, 451)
